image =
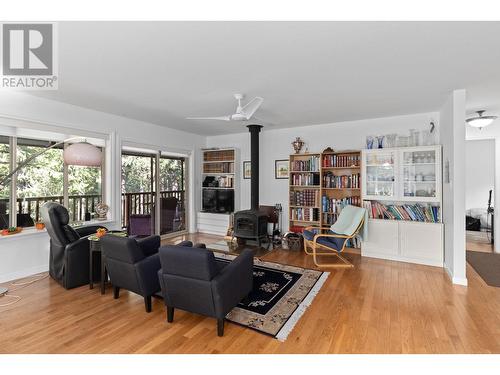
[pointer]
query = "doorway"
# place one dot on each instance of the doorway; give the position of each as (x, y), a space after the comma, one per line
(149, 177)
(479, 194)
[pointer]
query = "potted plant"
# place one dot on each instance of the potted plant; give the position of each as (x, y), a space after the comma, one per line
(11, 230)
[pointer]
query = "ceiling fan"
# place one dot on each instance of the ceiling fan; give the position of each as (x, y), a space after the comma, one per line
(243, 113)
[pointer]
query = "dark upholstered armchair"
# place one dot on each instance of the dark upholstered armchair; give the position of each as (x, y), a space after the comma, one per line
(193, 280)
(69, 247)
(133, 265)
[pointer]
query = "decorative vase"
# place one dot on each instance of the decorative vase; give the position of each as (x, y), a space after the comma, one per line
(297, 145)
(390, 140)
(380, 141)
(369, 142)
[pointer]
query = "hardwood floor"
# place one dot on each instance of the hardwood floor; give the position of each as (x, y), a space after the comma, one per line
(377, 307)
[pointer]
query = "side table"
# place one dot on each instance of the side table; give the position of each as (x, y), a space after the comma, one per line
(95, 246)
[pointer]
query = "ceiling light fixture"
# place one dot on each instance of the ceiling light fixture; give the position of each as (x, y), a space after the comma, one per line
(480, 121)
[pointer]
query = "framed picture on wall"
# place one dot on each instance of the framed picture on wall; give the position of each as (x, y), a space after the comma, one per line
(247, 170)
(281, 169)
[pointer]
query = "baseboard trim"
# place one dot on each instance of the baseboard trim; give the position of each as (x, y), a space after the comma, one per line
(455, 280)
(23, 273)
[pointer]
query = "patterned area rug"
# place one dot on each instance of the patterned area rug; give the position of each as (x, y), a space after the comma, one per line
(280, 296)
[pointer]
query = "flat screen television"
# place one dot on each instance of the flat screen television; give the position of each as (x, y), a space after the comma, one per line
(225, 201)
(218, 200)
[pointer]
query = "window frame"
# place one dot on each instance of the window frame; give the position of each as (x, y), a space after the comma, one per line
(13, 143)
(157, 155)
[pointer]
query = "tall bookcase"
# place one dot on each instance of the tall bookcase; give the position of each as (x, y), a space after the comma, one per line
(320, 185)
(340, 183)
(219, 190)
(304, 191)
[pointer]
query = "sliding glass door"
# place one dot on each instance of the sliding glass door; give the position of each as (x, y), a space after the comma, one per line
(147, 178)
(172, 195)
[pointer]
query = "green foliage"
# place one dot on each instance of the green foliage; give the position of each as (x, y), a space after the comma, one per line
(44, 176)
(137, 172)
(4, 168)
(171, 174)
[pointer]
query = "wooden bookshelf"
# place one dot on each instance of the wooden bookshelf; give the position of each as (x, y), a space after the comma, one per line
(304, 190)
(330, 178)
(340, 183)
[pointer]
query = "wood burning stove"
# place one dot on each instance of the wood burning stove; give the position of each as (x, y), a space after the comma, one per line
(252, 224)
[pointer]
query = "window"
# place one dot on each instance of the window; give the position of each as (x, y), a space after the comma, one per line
(172, 194)
(139, 195)
(84, 191)
(39, 181)
(4, 187)
(44, 179)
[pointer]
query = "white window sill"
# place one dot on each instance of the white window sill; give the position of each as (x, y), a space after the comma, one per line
(37, 232)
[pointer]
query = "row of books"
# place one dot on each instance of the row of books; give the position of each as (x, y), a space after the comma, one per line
(304, 214)
(305, 179)
(341, 182)
(333, 205)
(304, 198)
(218, 168)
(226, 181)
(341, 161)
(410, 212)
(223, 155)
(312, 164)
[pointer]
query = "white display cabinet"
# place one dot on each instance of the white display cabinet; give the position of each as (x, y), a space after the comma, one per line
(405, 175)
(409, 174)
(380, 169)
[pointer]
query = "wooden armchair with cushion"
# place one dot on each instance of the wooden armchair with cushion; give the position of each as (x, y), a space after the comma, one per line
(331, 241)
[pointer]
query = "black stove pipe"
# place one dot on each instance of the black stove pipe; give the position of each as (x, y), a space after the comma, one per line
(254, 162)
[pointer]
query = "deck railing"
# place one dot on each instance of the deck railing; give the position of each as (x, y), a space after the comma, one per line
(132, 203)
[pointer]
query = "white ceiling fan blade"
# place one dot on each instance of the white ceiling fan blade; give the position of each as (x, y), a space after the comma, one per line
(249, 109)
(220, 118)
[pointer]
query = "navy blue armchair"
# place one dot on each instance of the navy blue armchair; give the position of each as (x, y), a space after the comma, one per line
(192, 279)
(133, 265)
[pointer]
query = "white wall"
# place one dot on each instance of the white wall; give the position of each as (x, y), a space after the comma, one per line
(23, 255)
(276, 144)
(479, 172)
(452, 130)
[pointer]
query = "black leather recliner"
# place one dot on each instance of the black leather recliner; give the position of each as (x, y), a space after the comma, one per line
(69, 247)
(193, 280)
(133, 265)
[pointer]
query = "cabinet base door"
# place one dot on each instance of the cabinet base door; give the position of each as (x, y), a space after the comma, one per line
(422, 242)
(383, 239)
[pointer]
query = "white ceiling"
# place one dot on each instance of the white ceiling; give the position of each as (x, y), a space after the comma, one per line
(307, 72)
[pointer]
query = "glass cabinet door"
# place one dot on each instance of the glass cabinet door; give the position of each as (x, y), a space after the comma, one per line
(380, 175)
(419, 178)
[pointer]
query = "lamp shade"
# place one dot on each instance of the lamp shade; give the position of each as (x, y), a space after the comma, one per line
(84, 154)
(480, 121)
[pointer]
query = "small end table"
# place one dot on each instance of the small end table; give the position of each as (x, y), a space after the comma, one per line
(95, 246)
